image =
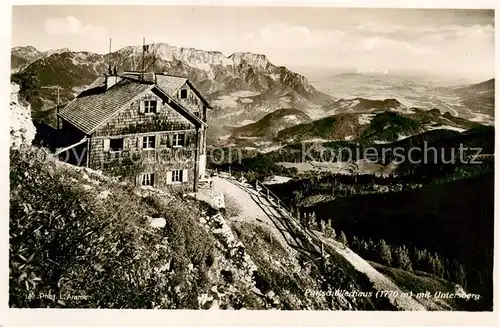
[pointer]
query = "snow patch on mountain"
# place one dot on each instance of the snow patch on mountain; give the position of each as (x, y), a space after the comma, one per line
(226, 101)
(365, 118)
(291, 119)
(276, 180)
(457, 129)
(244, 94)
(246, 122)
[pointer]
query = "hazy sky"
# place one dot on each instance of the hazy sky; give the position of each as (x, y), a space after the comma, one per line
(439, 41)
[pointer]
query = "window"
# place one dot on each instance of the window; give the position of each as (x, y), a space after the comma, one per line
(184, 93)
(177, 176)
(147, 179)
(116, 145)
(178, 140)
(150, 106)
(148, 142)
(197, 114)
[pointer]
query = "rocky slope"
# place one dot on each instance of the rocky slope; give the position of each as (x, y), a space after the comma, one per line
(240, 86)
(22, 130)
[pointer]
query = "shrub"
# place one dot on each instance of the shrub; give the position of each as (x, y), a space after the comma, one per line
(384, 253)
(402, 258)
(342, 238)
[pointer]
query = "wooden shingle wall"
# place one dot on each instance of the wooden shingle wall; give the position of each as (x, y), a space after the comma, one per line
(132, 125)
(192, 102)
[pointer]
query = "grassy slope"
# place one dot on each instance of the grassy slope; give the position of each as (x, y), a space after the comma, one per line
(421, 282)
(73, 231)
(76, 232)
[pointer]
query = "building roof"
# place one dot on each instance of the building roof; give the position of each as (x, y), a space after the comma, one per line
(169, 83)
(96, 105)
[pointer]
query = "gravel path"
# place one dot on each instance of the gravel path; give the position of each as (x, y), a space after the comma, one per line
(256, 209)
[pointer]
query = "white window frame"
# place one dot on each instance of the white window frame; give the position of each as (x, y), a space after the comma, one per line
(176, 140)
(146, 140)
(147, 179)
(177, 176)
(150, 109)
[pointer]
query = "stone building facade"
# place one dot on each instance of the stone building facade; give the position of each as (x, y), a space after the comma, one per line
(148, 130)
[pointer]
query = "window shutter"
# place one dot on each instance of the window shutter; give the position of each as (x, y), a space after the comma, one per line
(169, 177)
(141, 107)
(187, 139)
(158, 105)
(152, 179)
(106, 145)
(139, 142)
(157, 141)
(170, 140)
(185, 175)
(138, 180)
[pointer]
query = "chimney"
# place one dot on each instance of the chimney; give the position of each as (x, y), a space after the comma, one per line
(112, 80)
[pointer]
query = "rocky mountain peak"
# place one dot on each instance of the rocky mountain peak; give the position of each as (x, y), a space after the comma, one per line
(253, 59)
(26, 52)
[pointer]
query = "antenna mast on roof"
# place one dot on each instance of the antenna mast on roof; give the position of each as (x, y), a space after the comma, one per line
(154, 57)
(143, 50)
(154, 63)
(109, 58)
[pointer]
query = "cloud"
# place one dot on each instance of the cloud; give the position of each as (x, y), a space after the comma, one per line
(395, 46)
(70, 25)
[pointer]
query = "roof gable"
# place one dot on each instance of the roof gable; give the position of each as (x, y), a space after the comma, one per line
(170, 84)
(179, 108)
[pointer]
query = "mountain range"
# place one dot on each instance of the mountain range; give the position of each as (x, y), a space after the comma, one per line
(253, 97)
(242, 86)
